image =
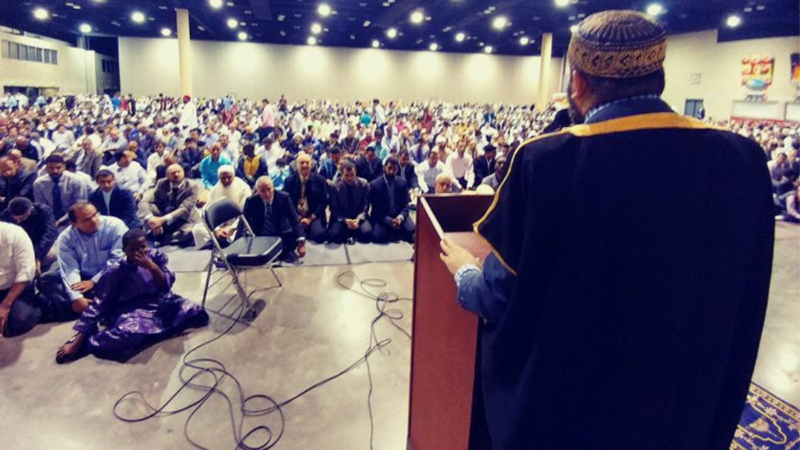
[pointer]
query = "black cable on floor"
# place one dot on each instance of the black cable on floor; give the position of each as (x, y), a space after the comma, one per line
(195, 370)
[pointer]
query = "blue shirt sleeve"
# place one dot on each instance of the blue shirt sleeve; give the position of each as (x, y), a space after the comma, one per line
(485, 292)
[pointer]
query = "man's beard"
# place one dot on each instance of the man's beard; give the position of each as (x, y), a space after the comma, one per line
(574, 113)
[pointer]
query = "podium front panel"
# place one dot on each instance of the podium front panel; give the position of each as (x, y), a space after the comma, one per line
(444, 335)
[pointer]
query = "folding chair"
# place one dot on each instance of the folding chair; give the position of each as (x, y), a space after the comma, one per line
(248, 251)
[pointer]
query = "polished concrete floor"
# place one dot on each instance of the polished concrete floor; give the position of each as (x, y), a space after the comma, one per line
(311, 329)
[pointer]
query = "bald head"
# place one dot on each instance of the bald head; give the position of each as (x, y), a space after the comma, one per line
(265, 189)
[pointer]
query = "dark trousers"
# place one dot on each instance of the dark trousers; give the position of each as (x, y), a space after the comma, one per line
(178, 232)
(264, 132)
(31, 309)
(316, 231)
(57, 300)
(462, 182)
(339, 233)
(381, 232)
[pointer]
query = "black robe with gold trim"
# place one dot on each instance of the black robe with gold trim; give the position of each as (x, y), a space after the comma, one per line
(642, 249)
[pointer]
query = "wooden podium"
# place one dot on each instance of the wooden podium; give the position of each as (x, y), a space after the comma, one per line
(444, 355)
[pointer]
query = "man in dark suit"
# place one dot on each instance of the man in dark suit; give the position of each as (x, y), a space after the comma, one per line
(38, 222)
(113, 200)
(168, 212)
(309, 194)
(349, 204)
(368, 166)
(388, 196)
(483, 166)
(14, 182)
(271, 213)
(407, 171)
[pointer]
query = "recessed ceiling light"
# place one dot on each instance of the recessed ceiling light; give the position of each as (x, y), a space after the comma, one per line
(233, 23)
(242, 36)
(655, 9)
(41, 13)
(324, 10)
(138, 17)
(734, 21)
(85, 28)
(524, 40)
(316, 28)
(488, 49)
(312, 41)
(166, 32)
(562, 3)
(216, 4)
(499, 22)
(573, 29)
(417, 17)
(460, 37)
(433, 47)
(376, 43)
(391, 33)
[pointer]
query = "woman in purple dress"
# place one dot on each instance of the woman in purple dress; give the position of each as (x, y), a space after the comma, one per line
(133, 308)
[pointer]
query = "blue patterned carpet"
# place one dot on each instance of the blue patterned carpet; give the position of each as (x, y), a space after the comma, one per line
(768, 423)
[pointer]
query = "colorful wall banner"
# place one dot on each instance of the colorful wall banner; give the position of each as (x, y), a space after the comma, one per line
(757, 72)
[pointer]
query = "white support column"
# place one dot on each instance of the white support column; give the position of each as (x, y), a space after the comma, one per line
(184, 51)
(544, 72)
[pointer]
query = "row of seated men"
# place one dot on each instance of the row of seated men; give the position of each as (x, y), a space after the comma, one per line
(106, 279)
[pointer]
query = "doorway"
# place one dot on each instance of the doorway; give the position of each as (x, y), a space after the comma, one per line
(694, 108)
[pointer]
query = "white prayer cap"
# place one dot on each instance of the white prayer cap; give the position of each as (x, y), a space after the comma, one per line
(227, 168)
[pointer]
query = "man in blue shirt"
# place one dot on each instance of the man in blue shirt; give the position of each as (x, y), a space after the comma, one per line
(90, 245)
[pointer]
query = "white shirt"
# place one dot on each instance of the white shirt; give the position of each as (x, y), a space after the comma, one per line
(17, 260)
(461, 167)
(188, 116)
(132, 178)
(426, 175)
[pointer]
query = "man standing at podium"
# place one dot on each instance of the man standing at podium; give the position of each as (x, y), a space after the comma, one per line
(625, 295)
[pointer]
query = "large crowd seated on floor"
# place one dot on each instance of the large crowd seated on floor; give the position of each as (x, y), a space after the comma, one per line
(79, 173)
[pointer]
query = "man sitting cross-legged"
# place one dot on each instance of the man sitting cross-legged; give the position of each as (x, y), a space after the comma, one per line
(349, 203)
(169, 211)
(85, 249)
(389, 199)
(134, 304)
(271, 213)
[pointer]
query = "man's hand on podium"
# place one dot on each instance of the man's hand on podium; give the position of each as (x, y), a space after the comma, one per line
(456, 256)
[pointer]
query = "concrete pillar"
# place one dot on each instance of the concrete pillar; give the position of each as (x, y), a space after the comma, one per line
(184, 51)
(544, 72)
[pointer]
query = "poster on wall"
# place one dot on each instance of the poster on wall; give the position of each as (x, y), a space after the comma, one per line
(757, 74)
(796, 69)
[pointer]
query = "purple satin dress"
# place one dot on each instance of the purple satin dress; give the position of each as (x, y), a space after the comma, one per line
(131, 309)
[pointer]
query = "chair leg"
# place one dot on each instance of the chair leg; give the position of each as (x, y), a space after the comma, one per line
(272, 269)
(208, 279)
(240, 289)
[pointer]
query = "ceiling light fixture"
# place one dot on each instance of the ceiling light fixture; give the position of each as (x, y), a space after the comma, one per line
(324, 10)
(312, 41)
(41, 13)
(562, 3)
(233, 23)
(655, 9)
(488, 49)
(316, 28)
(499, 22)
(391, 33)
(417, 17)
(433, 47)
(734, 21)
(376, 43)
(85, 28)
(460, 37)
(166, 32)
(216, 4)
(524, 40)
(242, 36)
(138, 17)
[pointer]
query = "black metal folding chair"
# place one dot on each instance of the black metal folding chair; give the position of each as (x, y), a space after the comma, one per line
(246, 252)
